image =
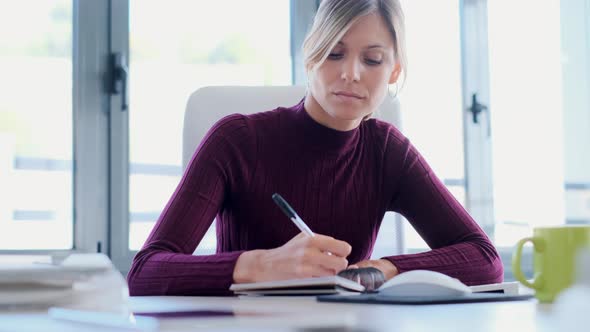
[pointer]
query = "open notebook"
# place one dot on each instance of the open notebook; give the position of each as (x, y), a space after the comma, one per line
(412, 283)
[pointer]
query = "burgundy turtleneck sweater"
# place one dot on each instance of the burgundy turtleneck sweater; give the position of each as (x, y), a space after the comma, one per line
(340, 183)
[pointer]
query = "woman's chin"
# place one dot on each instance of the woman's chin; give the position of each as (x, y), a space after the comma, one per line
(349, 114)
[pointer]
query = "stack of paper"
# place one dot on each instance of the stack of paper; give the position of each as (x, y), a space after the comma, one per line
(80, 280)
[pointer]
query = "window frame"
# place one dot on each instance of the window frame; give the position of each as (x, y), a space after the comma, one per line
(477, 139)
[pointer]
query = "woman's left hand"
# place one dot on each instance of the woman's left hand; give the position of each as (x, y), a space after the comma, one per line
(389, 270)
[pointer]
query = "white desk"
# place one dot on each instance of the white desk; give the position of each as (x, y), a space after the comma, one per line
(305, 314)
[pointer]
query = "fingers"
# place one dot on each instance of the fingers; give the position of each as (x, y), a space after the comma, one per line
(317, 264)
(319, 255)
(320, 271)
(331, 262)
(329, 244)
(324, 243)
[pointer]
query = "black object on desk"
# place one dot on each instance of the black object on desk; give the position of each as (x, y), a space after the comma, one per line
(370, 277)
(418, 300)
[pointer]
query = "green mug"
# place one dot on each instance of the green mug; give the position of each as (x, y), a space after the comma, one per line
(554, 257)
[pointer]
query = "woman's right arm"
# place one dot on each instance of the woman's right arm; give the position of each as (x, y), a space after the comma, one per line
(166, 265)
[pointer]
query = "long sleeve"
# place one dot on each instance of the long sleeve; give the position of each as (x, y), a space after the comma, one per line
(459, 246)
(166, 265)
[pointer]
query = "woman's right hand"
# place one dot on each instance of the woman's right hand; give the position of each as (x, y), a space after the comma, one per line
(303, 256)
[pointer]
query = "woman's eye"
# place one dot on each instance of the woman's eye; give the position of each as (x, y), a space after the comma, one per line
(335, 55)
(372, 62)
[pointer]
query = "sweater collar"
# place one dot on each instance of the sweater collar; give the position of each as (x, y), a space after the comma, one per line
(322, 137)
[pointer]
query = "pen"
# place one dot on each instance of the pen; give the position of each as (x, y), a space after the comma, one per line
(288, 210)
(291, 214)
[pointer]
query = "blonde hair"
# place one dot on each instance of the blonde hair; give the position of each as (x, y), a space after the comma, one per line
(334, 18)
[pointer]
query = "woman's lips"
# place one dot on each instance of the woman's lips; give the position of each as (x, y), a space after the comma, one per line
(347, 95)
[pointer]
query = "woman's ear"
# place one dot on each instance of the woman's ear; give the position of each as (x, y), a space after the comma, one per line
(397, 69)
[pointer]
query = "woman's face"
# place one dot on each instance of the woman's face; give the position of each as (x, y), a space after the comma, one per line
(352, 82)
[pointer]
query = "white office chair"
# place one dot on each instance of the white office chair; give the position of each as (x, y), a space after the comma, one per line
(209, 104)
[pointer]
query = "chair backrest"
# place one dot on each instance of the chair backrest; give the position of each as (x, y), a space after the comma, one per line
(209, 104)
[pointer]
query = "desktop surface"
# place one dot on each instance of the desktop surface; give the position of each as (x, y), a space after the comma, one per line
(305, 313)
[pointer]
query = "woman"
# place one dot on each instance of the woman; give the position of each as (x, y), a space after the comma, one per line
(340, 170)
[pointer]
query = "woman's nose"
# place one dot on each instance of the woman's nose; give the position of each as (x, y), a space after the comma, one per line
(351, 70)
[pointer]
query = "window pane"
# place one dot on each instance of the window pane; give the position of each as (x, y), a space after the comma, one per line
(431, 99)
(193, 44)
(575, 59)
(540, 115)
(36, 125)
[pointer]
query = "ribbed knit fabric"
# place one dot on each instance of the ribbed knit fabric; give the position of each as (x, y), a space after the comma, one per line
(340, 183)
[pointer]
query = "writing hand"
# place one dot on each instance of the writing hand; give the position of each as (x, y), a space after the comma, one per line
(302, 257)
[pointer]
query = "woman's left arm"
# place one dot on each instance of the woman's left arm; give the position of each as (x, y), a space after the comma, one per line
(460, 248)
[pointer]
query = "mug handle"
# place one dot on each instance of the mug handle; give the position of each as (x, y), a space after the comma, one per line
(538, 244)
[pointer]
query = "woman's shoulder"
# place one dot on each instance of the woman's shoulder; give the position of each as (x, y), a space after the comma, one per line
(245, 127)
(241, 120)
(265, 117)
(385, 132)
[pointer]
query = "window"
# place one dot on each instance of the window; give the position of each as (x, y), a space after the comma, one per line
(67, 149)
(540, 115)
(575, 59)
(193, 45)
(538, 111)
(36, 126)
(433, 124)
